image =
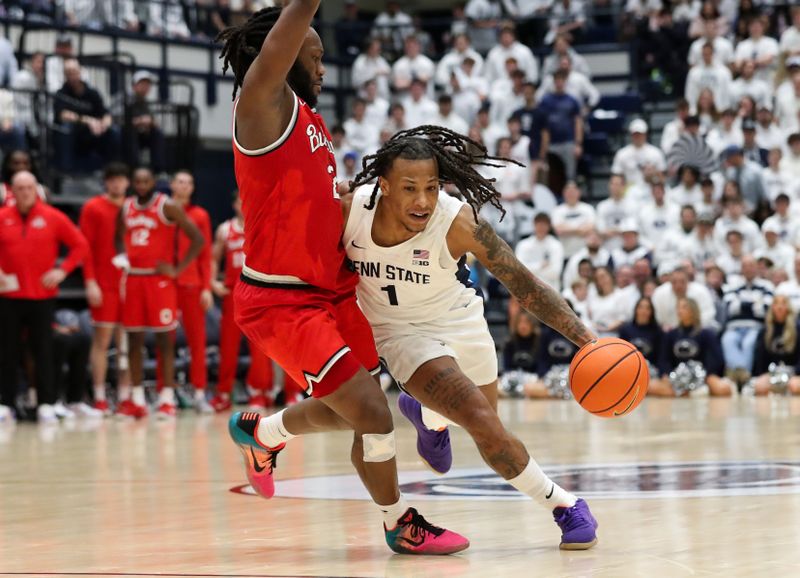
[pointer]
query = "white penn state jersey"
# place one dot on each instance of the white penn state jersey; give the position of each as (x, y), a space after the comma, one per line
(413, 282)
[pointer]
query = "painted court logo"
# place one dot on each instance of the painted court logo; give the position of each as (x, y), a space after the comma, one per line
(596, 481)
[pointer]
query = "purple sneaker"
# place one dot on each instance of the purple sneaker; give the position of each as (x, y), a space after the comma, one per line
(433, 446)
(577, 526)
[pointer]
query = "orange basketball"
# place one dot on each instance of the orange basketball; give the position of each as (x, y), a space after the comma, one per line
(609, 377)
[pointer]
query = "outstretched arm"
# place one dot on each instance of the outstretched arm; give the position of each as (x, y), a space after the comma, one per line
(536, 296)
(264, 86)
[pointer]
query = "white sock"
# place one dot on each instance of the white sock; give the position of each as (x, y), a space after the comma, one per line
(392, 512)
(166, 395)
(199, 395)
(124, 392)
(137, 395)
(271, 432)
(533, 482)
(433, 420)
(100, 392)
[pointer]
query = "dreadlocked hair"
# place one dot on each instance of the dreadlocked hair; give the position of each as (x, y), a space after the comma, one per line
(456, 155)
(241, 44)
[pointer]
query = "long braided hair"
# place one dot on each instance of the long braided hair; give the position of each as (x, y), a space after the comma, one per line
(456, 155)
(241, 44)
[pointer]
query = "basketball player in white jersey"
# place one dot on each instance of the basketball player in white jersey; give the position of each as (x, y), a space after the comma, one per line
(406, 238)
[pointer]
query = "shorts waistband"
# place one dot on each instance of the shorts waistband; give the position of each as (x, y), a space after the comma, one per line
(278, 284)
(137, 272)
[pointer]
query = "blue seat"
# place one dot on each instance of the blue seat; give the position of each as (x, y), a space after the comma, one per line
(608, 122)
(626, 103)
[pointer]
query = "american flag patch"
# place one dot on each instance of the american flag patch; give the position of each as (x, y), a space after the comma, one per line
(422, 254)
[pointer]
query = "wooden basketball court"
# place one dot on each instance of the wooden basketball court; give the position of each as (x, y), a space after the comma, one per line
(680, 488)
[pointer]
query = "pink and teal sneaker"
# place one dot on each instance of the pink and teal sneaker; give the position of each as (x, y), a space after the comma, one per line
(413, 534)
(259, 462)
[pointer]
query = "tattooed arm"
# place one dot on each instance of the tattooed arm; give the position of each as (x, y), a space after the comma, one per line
(533, 294)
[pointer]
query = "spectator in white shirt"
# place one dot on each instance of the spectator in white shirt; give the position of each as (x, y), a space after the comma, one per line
(419, 108)
(784, 219)
(370, 65)
(787, 97)
(167, 19)
(673, 130)
(723, 49)
(768, 135)
(665, 299)
(339, 146)
(751, 150)
(687, 191)
(562, 47)
(489, 131)
(483, 17)
(734, 218)
(508, 47)
(542, 253)
(658, 217)
(413, 65)
(763, 50)
(396, 122)
(361, 134)
(377, 108)
(790, 39)
(779, 252)
(790, 163)
(711, 74)
(608, 306)
(392, 26)
(731, 255)
(631, 249)
(566, 17)
(447, 118)
(613, 212)
(639, 159)
(513, 183)
(791, 288)
(468, 89)
(675, 246)
(451, 61)
(725, 133)
(577, 85)
(749, 85)
(573, 220)
(507, 100)
(701, 247)
(593, 253)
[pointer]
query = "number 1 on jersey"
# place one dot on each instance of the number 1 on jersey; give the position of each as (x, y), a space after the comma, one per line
(392, 292)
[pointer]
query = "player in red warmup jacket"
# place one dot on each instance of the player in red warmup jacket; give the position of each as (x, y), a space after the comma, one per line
(145, 233)
(103, 282)
(194, 287)
(296, 301)
(228, 247)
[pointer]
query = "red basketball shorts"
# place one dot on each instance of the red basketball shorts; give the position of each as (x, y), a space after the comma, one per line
(150, 303)
(109, 313)
(320, 340)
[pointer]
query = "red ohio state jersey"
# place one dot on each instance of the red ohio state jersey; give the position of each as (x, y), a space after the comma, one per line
(149, 235)
(234, 251)
(292, 214)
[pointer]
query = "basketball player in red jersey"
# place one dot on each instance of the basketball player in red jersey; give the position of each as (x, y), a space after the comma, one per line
(98, 223)
(146, 234)
(194, 287)
(228, 247)
(296, 301)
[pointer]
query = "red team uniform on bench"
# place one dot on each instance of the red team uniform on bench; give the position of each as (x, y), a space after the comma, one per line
(150, 299)
(297, 299)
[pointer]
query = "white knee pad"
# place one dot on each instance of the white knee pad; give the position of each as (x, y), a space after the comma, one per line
(378, 447)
